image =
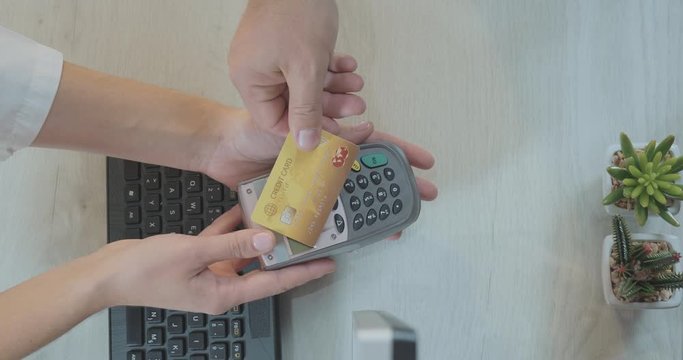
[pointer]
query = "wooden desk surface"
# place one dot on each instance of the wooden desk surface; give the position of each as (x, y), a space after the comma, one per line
(517, 99)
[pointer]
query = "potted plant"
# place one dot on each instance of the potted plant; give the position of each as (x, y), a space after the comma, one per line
(643, 180)
(641, 271)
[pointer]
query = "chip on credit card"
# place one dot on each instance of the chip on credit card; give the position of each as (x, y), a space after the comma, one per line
(303, 186)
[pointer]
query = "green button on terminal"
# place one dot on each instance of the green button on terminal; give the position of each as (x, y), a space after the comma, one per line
(374, 160)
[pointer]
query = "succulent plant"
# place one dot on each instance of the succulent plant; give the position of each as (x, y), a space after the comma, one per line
(642, 272)
(648, 177)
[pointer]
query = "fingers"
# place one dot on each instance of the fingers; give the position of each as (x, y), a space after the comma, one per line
(395, 236)
(342, 63)
(260, 284)
(356, 134)
(225, 223)
(305, 104)
(266, 105)
(343, 83)
(243, 244)
(331, 125)
(428, 191)
(342, 105)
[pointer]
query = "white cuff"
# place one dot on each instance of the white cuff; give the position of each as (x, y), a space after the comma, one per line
(29, 79)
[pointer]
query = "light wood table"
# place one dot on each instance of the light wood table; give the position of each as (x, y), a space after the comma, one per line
(517, 99)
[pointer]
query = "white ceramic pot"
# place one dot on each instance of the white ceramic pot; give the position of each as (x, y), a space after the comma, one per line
(607, 184)
(611, 299)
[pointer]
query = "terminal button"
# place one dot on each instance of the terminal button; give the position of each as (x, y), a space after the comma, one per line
(374, 160)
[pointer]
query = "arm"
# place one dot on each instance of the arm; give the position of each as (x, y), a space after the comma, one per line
(166, 271)
(105, 114)
(109, 115)
(36, 312)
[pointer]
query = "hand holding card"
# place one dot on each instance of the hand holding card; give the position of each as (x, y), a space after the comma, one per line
(303, 186)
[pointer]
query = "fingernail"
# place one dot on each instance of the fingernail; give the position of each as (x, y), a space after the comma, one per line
(362, 126)
(308, 139)
(263, 241)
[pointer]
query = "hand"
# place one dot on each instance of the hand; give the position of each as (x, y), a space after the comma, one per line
(281, 61)
(174, 271)
(248, 151)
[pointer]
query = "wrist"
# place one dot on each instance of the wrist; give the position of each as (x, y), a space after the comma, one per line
(91, 282)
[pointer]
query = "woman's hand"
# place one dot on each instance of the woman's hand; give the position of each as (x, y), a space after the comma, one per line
(175, 271)
(248, 151)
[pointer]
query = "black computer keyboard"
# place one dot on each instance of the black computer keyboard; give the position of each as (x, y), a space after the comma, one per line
(145, 200)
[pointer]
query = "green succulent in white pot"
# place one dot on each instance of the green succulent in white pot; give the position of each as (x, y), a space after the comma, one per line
(643, 180)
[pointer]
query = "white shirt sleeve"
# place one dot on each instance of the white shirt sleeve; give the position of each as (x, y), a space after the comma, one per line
(29, 78)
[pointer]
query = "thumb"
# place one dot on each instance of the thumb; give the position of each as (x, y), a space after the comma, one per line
(243, 244)
(305, 106)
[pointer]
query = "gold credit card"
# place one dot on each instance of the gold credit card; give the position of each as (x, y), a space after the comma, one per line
(303, 186)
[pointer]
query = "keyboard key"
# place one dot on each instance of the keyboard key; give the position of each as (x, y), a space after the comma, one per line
(193, 183)
(134, 325)
(150, 166)
(155, 336)
(349, 186)
(153, 225)
(214, 193)
(151, 181)
(155, 355)
(172, 190)
(218, 351)
(381, 194)
(394, 190)
(197, 340)
(132, 192)
(362, 181)
(211, 181)
(135, 355)
(214, 213)
(176, 324)
(357, 222)
(368, 199)
(217, 329)
(133, 233)
(237, 330)
(237, 352)
(398, 205)
(133, 215)
(339, 223)
(355, 203)
(371, 217)
(152, 202)
(197, 320)
(174, 229)
(176, 347)
(375, 177)
(389, 173)
(193, 226)
(232, 196)
(237, 309)
(171, 172)
(131, 170)
(384, 212)
(173, 212)
(198, 357)
(154, 315)
(193, 206)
